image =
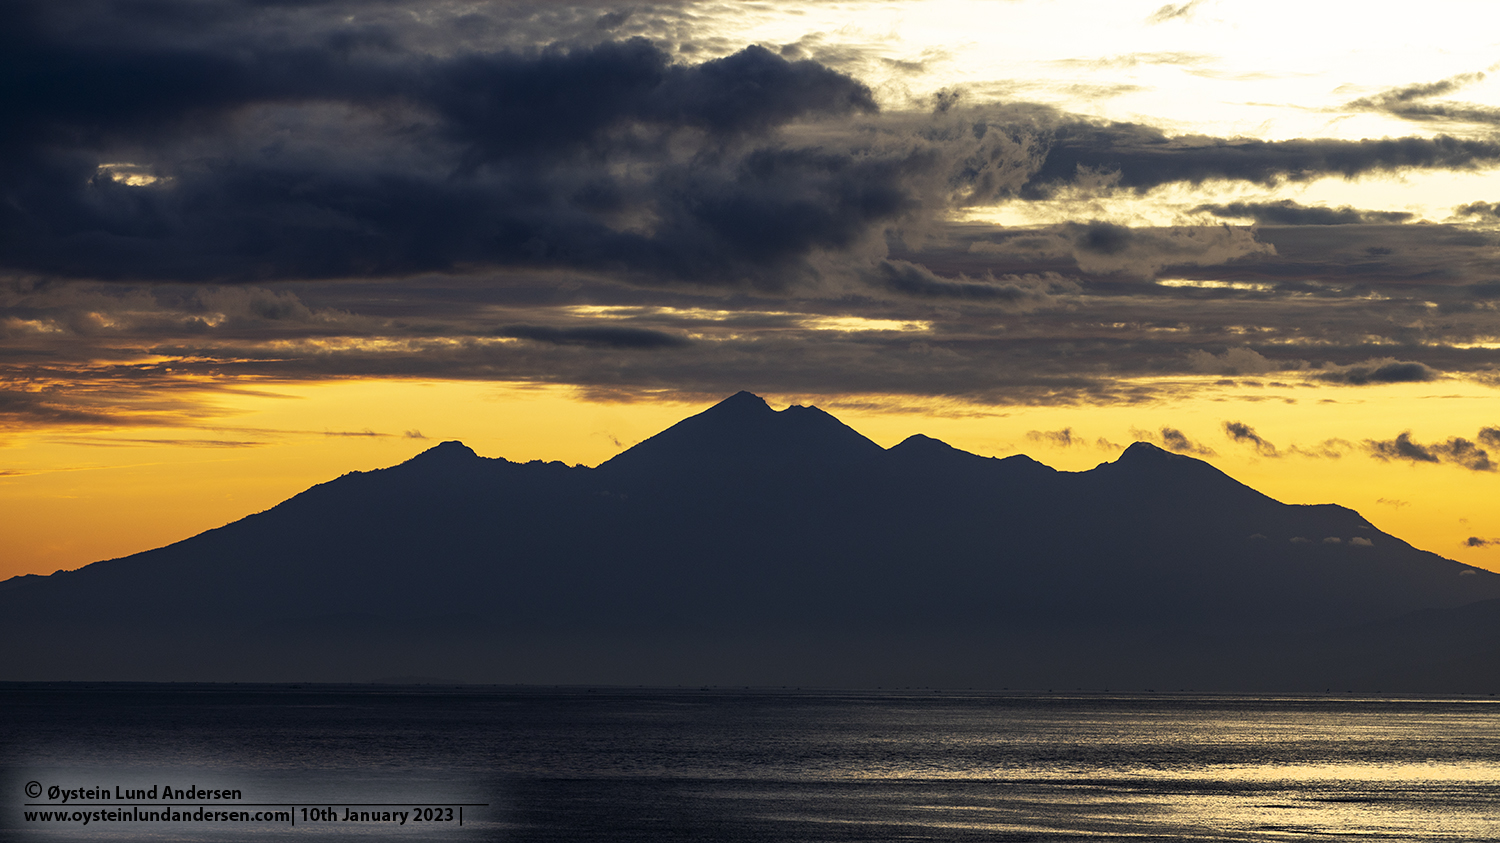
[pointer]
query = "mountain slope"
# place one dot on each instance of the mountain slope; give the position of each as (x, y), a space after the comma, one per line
(749, 545)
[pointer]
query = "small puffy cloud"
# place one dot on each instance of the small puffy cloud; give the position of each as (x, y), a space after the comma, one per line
(1054, 438)
(1384, 370)
(1246, 435)
(1400, 448)
(1181, 11)
(1360, 541)
(1173, 440)
(1490, 436)
(1333, 540)
(1331, 449)
(1475, 541)
(1483, 210)
(1301, 540)
(1456, 450)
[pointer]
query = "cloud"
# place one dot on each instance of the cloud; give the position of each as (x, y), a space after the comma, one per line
(1489, 436)
(1476, 541)
(1182, 11)
(1105, 247)
(403, 162)
(621, 338)
(1174, 440)
(1411, 102)
(1054, 438)
(259, 142)
(1143, 157)
(1245, 434)
(1234, 361)
(1015, 293)
(115, 442)
(1488, 210)
(1131, 60)
(1287, 212)
(1455, 450)
(221, 196)
(1360, 541)
(1327, 449)
(1385, 370)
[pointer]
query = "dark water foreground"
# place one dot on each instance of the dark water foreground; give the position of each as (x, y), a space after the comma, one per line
(609, 764)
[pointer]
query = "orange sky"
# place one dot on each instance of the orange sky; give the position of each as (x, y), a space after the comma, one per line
(74, 496)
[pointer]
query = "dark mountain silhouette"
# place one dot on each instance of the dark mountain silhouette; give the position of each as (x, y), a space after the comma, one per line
(750, 546)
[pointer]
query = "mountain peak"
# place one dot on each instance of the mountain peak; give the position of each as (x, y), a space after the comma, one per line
(743, 430)
(446, 452)
(1145, 451)
(1147, 466)
(742, 402)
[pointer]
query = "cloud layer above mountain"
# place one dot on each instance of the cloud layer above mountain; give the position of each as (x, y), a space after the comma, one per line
(632, 200)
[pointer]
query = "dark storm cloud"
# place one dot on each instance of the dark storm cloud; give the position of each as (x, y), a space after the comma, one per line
(1456, 450)
(1246, 435)
(503, 158)
(243, 141)
(1287, 212)
(529, 192)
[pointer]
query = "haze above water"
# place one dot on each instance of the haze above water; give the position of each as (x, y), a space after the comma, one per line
(720, 765)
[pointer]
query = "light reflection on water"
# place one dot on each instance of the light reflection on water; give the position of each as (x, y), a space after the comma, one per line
(616, 765)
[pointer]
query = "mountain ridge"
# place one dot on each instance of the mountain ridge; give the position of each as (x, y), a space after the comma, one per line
(746, 544)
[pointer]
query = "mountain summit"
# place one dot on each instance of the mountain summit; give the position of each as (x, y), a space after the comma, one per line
(743, 433)
(749, 546)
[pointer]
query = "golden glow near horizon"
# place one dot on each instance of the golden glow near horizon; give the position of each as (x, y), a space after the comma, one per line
(78, 496)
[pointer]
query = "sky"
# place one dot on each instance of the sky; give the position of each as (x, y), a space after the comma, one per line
(247, 246)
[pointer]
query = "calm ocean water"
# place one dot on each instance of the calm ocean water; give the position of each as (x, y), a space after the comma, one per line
(533, 764)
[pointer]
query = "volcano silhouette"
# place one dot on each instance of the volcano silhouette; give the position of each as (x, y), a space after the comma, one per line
(749, 546)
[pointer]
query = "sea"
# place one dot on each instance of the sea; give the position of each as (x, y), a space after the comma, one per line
(418, 762)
